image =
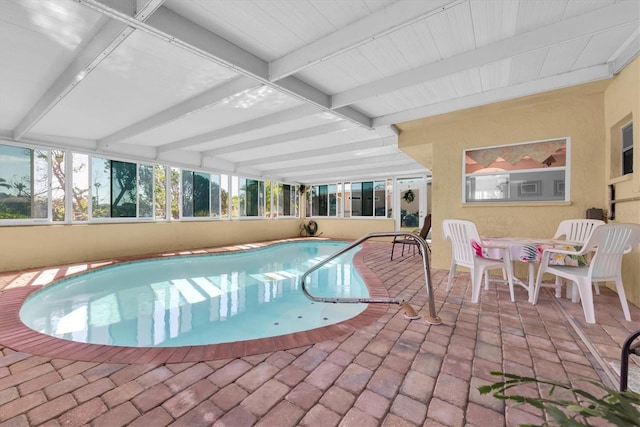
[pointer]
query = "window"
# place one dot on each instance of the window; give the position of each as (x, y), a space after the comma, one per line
(48, 185)
(324, 200)
(368, 198)
(114, 190)
(627, 149)
(24, 184)
(535, 171)
(287, 199)
(251, 198)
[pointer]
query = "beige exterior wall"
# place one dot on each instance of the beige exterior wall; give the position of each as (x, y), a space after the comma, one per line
(351, 229)
(622, 104)
(38, 246)
(581, 113)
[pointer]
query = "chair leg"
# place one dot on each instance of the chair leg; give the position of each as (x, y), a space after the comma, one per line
(559, 287)
(536, 288)
(452, 272)
(623, 299)
(393, 245)
(476, 283)
(595, 285)
(510, 280)
(586, 296)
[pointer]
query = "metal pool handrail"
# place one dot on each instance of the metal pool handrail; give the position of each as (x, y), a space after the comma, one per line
(432, 318)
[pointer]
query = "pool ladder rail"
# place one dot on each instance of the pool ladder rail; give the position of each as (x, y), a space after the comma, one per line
(409, 313)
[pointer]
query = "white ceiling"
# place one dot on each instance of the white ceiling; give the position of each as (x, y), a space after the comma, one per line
(295, 90)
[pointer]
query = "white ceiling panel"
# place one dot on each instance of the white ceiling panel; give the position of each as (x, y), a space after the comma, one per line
(307, 90)
(453, 30)
(232, 111)
(38, 41)
(595, 52)
(560, 58)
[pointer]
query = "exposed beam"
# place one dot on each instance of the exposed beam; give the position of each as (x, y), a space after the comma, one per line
(360, 174)
(585, 75)
(291, 114)
(328, 166)
(392, 18)
(108, 38)
(173, 28)
(204, 100)
(626, 52)
(278, 139)
(602, 19)
(315, 170)
(336, 149)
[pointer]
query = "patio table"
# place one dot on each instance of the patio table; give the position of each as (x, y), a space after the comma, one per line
(529, 250)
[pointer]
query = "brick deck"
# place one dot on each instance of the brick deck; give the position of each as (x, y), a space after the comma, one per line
(376, 369)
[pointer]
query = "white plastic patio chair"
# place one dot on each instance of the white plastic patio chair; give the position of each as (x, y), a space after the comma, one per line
(610, 242)
(461, 233)
(575, 230)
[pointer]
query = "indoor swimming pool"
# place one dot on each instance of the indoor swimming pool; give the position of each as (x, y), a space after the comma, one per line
(199, 300)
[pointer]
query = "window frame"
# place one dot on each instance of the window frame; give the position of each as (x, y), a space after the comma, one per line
(628, 150)
(529, 184)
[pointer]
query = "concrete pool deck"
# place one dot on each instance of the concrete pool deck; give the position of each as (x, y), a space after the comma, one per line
(380, 370)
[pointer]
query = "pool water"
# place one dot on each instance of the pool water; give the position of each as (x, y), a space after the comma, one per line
(198, 300)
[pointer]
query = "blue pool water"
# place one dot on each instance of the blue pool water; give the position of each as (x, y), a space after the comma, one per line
(196, 300)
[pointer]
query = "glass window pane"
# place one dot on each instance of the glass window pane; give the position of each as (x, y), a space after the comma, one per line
(252, 197)
(80, 187)
(333, 199)
(124, 189)
(261, 198)
(215, 196)
(347, 200)
(224, 196)
(379, 198)
(160, 189)
(242, 197)
(295, 201)
(40, 192)
(518, 172)
(356, 199)
(323, 200)
(201, 194)
(15, 182)
(101, 188)
(58, 195)
(145, 193)
(175, 193)
(367, 198)
(627, 149)
(286, 199)
(270, 199)
(187, 193)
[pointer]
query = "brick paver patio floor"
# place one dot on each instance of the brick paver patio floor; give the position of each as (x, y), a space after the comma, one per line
(383, 370)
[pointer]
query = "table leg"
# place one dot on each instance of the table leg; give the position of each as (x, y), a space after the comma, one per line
(531, 281)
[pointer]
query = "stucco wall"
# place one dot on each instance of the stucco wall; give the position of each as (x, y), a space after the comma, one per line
(621, 99)
(577, 112)
(351, 229)
(38, 246)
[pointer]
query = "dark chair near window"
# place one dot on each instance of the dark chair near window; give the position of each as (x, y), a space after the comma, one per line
(407, 240)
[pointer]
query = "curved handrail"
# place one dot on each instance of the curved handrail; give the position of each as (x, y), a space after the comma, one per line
(433, 318)
(627, 350)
